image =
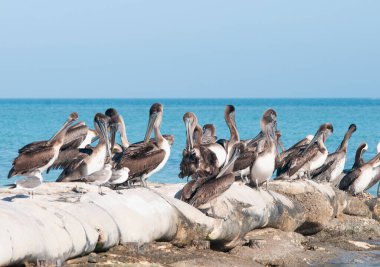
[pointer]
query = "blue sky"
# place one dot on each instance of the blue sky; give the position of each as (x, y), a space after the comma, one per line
(144, 49)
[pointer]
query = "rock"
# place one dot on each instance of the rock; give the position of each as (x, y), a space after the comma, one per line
(349, 227)
(62, 224)
(374, 207)
(318, 202)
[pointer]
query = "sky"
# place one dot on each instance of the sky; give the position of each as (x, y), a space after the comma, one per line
(189, 49)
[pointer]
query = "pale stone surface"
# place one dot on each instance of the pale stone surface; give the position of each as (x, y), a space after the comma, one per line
(66, 220)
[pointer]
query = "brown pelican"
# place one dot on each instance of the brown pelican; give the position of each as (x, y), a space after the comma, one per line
(99, 178)
(229, 117)
(209, 134)
(199, 160)
(286, 155)
(359, 180)
(116, 124)
(77, 136)
(202, 190)
(83, 162)
(309, 157)
(334, 164)
(36, 159)
(359, 156)
(265, 150)
(146, 158)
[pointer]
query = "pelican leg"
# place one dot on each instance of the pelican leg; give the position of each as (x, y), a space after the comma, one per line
(266, 185)
(308, 174)
(257, 184)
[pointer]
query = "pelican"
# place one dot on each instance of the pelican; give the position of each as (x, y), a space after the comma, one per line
(202, 190)
(229, 117)
(309, 157)
(359, 155)
(199, 160)
(36, 159)
(265, 150)
(209, 134)
(148, 157)
(76, 136)
(286, 155)
(242, 165)
(117, 124)
(334, 164)
(83, 162)
(360, 179)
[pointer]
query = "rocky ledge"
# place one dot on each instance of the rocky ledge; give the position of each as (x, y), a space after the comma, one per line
(294, 223)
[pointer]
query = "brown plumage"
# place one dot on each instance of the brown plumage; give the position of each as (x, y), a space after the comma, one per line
(139, 158)
(198, 159)
(78, 163)
(209, 134)
(308, 157)
(147, 157)
(40, 157)
(74, 137)
(202, 190)
(334, 164)
(359, 161)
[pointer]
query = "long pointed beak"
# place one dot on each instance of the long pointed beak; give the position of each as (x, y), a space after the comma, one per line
(281, 145)
(104, 133)
(229, 163)
(67, 123)
(113, 136)
(189, 136)
(316, 136)
(152, 120)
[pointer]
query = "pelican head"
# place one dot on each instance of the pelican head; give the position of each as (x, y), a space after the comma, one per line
(155, 118)
(229, 112)
(322, 134)
(209, 129)
(352, 128)
(116, 124)
(191, 122)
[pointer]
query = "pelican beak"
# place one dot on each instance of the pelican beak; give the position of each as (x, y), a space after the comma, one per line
(281, 145)
(113, 130)
(152, 120)
(316, 137)
(103, 130)
(73, 117)
(189, 135)
(230, 163)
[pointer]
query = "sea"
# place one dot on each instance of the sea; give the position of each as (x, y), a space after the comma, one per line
(26, 120)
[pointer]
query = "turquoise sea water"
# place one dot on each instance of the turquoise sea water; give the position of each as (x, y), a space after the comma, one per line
(24, 121)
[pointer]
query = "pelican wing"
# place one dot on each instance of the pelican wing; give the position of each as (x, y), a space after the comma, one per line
(70, 158)
(33, 147)
(75, 135)
(244, 161)
(349, 178)
(140, 159)
(212, 189)
(301, 159)
(32, 160)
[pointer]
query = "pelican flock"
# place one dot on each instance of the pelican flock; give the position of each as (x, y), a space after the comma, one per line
(210, 164)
